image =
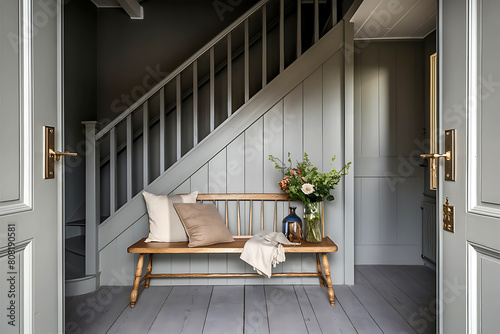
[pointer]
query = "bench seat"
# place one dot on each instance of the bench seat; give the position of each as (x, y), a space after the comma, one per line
(142, 247)
(319, 249)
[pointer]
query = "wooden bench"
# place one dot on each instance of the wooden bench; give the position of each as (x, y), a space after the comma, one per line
(319, 249)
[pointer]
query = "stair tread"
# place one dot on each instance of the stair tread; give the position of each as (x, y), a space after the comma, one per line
(79, 222)
(76, 245)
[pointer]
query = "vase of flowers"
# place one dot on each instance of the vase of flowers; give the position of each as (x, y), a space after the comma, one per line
(305, 183)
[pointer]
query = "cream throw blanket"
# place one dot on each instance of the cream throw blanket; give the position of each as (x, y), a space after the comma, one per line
(265, 249)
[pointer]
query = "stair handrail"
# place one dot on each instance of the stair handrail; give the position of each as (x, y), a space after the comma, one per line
(179, 69)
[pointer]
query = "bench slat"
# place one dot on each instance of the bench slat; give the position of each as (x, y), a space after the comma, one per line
(142, 247)
(243, 197)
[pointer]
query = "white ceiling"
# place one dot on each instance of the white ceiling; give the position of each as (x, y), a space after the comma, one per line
(387, 19)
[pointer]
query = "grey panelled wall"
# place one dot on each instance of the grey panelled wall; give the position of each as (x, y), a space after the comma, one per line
(309, 118)
(389, 136)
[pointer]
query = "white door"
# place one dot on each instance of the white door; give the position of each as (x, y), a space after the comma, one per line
(31, 288)
(469, 59)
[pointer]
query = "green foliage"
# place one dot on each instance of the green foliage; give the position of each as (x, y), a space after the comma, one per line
(305, 173)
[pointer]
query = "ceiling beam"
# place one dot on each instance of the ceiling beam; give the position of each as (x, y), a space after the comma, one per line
(133, 8)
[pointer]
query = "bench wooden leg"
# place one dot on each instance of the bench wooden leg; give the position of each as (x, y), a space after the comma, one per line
(326, 266)
(150, 266)
(320, 272)
(137, 280)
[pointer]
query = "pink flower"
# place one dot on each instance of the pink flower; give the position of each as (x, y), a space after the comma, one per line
(298, 171)
(293, 172)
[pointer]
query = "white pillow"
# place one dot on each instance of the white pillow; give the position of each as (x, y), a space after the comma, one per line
(164, 223)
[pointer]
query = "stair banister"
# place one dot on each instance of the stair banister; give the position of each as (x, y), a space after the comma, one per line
(176, 72)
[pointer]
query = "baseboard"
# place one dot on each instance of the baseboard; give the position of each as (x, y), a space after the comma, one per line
(388, 254)
(81, 286)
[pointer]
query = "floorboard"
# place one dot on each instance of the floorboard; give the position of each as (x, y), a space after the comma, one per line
(404, 305)
(256, 320)
(225, 312)
(381, 311)
(356, 312)
(140, 318)
(424, 275)
(331, 319)
(384, 299)
(184, 311)
(307, 310)
(106, 308)
(410, 286)
(284, 310)
(76, 308)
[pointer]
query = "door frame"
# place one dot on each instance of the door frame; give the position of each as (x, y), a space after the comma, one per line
(60, 171)
(440, 179)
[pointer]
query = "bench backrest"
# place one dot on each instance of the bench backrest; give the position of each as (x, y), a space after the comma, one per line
(224, 199)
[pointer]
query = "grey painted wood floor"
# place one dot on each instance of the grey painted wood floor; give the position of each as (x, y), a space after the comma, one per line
(384, 299)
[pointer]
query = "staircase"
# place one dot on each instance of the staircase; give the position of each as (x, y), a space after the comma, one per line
(190, 116)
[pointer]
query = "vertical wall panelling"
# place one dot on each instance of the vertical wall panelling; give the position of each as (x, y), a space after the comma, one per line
(313, 139)
(333, 144)
(293, 143)
(348, 181)
(235, 183)
(273, 145)
(389, 123)
(309, 118)
(254, 175)
(199, 262)
(108, 262)
(217, 263)
(369, 101)
(387, 103)
(162, 263)
(124, 266)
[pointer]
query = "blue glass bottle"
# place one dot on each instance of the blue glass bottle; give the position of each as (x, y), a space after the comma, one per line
(292, 226)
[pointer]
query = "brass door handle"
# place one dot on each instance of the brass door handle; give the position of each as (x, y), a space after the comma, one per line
(50, 154)
(449, 163)
(57, 155)
(447, 155)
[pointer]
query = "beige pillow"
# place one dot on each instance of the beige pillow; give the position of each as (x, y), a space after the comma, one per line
(203, 223)
(164, 223)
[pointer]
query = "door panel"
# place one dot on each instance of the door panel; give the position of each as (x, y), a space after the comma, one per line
(30, 208)
(14, 119)
(470, 259)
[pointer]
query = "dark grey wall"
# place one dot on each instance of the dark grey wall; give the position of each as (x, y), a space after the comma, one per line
(80, 96)
(133, 55)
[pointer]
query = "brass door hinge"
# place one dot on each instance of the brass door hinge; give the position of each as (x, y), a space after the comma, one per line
(448, 217)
